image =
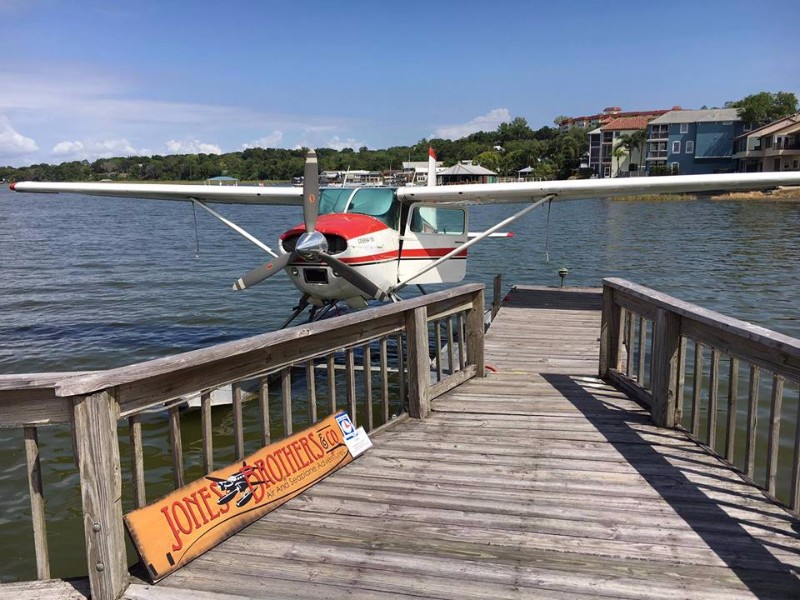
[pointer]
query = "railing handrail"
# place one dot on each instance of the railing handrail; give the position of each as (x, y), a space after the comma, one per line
(749, 342)
(88, 384)
(669, 325)
(146, 383)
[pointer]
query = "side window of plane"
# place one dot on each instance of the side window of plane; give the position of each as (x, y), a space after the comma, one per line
(446, 221)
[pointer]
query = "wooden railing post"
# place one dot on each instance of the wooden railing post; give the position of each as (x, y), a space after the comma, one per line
(95, 429)
(664, 367)
(419, 365)
(610, 325)
(496, 292)
(37, 502)
(475, 330)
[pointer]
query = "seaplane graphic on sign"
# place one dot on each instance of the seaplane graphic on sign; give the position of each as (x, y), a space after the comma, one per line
(241, 482)
(363, 243)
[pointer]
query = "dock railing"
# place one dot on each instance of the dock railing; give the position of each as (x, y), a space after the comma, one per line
(423, 347)
(714, 376)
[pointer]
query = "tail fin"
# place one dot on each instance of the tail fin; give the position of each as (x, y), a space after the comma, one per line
(431, 167)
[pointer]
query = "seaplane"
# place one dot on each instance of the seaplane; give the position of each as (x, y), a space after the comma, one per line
(241, 482)
(358, 244)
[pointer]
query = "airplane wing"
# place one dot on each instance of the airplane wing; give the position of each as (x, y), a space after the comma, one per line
(244, 194)
(518, 192)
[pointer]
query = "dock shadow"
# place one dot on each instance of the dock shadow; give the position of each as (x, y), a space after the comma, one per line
(764, 574)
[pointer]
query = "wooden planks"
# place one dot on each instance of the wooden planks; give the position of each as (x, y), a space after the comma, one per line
(51, 589)
(538, 481)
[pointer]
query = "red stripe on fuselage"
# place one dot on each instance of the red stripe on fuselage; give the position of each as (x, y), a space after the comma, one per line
(431, 253)
(420, 254)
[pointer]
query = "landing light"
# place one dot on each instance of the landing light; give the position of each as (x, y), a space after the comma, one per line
(295, 272)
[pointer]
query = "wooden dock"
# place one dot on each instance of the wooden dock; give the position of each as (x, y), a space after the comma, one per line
(539, 480)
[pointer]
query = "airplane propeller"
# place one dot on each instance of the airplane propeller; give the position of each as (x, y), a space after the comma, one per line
(312, 245)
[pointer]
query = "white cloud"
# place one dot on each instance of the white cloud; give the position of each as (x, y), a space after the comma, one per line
(13, 143)
(488, 122)
(93, 149)
(69, 148)
(318, 136)
(192, 147)
(273, 140)
(339, 144)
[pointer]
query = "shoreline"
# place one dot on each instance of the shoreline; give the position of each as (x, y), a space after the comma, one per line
(781, 194)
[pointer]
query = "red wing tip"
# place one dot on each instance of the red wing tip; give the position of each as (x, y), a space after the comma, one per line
(13, 185)
(511, 234)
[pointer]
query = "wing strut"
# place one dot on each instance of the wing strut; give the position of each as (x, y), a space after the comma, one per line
(235, 227)
(473, 241)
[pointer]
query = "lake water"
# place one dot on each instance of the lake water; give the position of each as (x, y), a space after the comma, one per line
(94, 283)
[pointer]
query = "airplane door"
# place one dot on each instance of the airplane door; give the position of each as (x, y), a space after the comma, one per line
(430, 233)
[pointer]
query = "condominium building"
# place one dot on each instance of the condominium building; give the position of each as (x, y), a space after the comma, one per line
(773, 147)
(693, 141)
(608, 156)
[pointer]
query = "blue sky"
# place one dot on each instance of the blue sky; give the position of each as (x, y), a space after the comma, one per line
(90, 79)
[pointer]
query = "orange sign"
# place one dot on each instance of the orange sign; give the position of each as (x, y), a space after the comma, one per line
(193, 519)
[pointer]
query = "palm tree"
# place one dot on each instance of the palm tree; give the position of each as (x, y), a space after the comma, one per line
(619, 152)
(638, 141)
(634, 141)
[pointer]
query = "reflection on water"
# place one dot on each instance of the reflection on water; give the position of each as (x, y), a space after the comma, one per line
(93, 283)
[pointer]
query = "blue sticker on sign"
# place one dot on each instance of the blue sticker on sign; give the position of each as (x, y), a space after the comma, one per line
(346, 425)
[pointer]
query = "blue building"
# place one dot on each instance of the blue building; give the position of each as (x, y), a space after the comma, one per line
(692, 142)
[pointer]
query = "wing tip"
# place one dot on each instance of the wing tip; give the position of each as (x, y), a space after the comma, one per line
(13, 186)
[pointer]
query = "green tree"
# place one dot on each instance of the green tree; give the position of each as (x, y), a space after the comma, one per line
(489, 160)
(517, 129)
(764, 107)
(566, 150)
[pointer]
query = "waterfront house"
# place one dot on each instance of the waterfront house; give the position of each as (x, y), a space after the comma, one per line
(693, 142)
(352, 177)
(466, 172)
(773, 147)
(222, 180)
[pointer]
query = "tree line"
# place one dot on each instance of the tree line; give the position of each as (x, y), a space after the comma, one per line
(511, 147)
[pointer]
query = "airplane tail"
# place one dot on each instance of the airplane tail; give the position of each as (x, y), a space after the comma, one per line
(431, 167)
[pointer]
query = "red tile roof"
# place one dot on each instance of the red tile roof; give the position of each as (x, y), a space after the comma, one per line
(627, 123)
(603, 117)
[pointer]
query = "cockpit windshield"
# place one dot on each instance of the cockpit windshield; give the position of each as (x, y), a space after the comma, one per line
(374, 202)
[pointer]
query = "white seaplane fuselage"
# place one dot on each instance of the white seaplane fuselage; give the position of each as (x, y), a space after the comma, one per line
(386, 240)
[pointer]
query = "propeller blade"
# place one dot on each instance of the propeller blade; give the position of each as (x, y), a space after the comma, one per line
(352, 276)
(311, 192)
(259, 274)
